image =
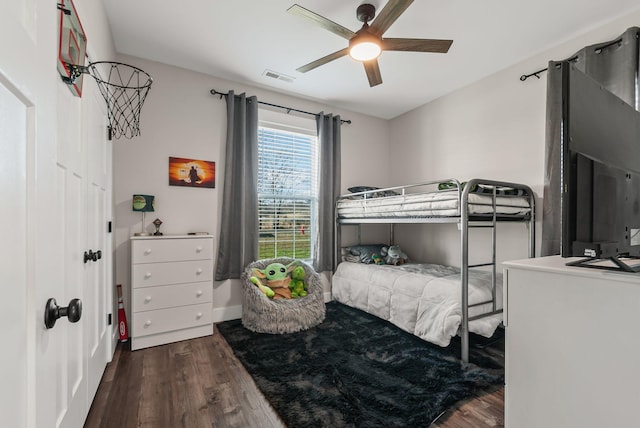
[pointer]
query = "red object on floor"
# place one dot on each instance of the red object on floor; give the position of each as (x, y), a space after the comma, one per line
(123, 329)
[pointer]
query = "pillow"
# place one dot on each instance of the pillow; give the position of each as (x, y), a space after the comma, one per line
(363, 253)
(358, 189)
(479, 188)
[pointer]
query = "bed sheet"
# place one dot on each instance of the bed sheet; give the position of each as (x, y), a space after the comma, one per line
(422, 299)
(432, 204)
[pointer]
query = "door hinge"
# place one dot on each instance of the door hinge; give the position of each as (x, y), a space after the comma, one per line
(108, 227)
(109, 319)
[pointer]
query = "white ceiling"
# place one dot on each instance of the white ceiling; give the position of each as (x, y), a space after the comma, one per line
(238, 40)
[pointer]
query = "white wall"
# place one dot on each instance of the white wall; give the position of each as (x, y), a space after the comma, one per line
(181, 118)
(494, 129)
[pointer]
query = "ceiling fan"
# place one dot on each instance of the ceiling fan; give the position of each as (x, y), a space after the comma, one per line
(366, 44)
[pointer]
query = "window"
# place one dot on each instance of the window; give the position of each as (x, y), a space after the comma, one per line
(287, 192)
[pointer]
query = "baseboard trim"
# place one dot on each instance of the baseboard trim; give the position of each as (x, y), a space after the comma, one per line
(227, 313)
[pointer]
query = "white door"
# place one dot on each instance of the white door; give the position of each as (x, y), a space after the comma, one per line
(48, 376)
(16, 326)
(98, 294)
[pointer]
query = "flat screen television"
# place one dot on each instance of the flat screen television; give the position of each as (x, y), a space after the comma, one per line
(600, 177)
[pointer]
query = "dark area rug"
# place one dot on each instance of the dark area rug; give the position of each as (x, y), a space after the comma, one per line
(356, 370)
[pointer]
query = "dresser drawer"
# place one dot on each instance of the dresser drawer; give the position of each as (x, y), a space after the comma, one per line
(164, 320)
(162, 250)
(151, 274)
(167, 296)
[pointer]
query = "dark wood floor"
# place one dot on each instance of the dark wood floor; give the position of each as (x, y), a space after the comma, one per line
(199, 383)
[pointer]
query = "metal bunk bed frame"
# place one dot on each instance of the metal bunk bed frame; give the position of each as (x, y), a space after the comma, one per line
(466, 222)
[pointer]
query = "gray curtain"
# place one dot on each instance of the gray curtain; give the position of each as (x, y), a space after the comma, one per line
(615, 65)
(238, 238)
(328, 127)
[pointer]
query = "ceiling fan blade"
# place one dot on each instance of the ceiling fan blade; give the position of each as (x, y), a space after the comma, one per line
(373, 72)
(321, 21)
(323, 60)
(388, 15)
(417, 45)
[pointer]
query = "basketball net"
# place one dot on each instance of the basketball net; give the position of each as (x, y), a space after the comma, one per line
(125, 90)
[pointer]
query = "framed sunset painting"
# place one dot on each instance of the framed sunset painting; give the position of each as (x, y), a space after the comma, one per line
(192, 173)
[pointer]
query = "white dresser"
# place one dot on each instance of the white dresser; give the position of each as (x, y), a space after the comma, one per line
(171, 289)
(572, 354)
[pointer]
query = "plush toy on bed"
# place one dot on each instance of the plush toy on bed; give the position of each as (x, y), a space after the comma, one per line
(394, 255)
(377, 259)
(277, 280)
(297, 285)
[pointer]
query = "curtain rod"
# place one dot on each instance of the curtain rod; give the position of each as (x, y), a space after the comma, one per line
(537, 73)
(597, 50)
(288, 109)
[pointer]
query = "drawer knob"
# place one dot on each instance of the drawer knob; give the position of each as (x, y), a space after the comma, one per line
(147, 251)
(198, 249)
(147, 323)
(198, 271)
(199, 315)
(147, 299)
(199, 293)
(147, 275)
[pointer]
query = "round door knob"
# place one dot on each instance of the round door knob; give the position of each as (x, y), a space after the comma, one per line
(198, 249)
(199, 293)
(198, 271)
(147, 299)
(147, 275)
(147, 251)
(147, 323)
(52, 312)
(199, 315)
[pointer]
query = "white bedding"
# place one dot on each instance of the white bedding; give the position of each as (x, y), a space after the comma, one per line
(431, 204)
(421, 299)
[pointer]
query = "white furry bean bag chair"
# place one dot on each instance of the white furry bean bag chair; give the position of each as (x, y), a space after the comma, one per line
(264, 315)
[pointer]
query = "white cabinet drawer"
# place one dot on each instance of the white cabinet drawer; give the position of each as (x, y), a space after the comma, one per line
(171, 289)
(162, 250)
(167, 296)
(151, 274)
(164, 320)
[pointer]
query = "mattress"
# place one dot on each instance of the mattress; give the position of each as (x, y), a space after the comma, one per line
(422, 299)
(431, 204)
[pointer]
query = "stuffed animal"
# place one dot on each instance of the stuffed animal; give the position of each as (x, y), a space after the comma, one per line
(277, 280)
(377, 259)
(394, 255)
(297, 285)
(266, 290)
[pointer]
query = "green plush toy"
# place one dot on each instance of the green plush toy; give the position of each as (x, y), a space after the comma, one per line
(266, 290)
(297, 285)
(377, 259)
(277, 280)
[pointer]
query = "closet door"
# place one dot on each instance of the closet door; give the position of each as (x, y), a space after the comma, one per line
(48, 219)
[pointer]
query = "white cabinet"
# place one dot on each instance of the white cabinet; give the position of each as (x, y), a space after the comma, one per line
(572, 346)
(171, 289)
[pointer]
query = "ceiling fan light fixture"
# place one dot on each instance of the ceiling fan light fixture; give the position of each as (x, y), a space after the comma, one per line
(365, 47)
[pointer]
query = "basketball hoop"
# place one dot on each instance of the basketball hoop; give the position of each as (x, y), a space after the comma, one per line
(124, 90)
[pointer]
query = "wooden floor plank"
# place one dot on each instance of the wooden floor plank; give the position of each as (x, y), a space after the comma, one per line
(155, 406)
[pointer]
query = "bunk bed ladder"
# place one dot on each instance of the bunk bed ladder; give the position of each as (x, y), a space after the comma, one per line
(465, 225)
(464, 232)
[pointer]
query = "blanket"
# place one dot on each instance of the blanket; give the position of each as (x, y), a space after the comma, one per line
(423, 299)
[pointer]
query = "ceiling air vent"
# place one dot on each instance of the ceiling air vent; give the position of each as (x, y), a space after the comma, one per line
(278, 76)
